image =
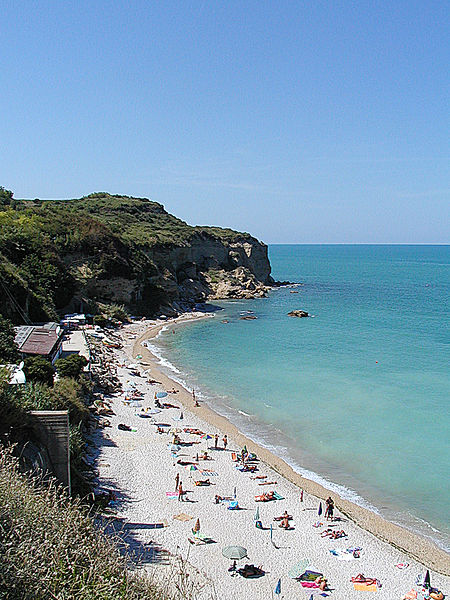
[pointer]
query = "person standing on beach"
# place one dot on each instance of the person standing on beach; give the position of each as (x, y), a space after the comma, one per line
(194, 399)
(225, 442)
(177, 481)
(216, 440)
(330, 508)
(180, 492)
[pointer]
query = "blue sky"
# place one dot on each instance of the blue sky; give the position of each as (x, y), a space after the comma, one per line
(301, 122)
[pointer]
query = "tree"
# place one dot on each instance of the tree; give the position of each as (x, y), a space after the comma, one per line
(100, 320)
(8, 348)
(71, 366)
(6, 198)
(37, 368)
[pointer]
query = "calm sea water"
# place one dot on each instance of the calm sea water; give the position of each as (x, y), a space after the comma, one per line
(356, 397)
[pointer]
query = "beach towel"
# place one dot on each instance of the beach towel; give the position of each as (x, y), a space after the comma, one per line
(362, 587)
(233, 505)
(309, 584)
(209, 473)
(183, 517)
(310, 575)
(172, 495)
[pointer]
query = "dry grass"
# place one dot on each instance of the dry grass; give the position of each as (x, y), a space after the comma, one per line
(51, 549)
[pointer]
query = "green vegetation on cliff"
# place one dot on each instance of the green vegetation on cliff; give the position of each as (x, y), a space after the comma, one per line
(53, 250)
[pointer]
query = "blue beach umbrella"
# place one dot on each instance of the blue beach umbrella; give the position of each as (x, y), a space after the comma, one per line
(278, 588)
(319, 512)
(161, 394)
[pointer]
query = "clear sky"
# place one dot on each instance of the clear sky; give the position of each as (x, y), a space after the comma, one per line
(299, 121)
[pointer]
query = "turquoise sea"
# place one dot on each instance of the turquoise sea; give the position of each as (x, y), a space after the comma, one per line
(356, 397)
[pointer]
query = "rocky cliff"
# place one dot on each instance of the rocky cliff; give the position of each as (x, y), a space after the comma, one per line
(103, 249)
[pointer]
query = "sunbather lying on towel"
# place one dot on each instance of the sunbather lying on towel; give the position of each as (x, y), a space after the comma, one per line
(333, 535)
(248, 468)
(193, 431)
(202, 482)
(361, 579)
(265, 497)
(251, 571)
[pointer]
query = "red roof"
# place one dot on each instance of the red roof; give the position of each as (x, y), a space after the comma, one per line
(40, 341)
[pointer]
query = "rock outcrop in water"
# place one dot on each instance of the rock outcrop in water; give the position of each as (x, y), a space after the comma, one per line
(298, 313)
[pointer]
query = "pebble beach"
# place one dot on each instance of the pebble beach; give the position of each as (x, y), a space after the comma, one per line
(140, 467)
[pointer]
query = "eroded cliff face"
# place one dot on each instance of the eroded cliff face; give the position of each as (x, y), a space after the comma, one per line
(181, 276)
(118, 249)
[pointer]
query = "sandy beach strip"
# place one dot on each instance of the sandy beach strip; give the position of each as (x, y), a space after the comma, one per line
(141, 468)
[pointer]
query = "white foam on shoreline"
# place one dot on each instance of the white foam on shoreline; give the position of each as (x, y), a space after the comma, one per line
(249, 426)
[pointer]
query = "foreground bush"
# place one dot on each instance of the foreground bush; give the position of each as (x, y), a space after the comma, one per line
(50, 548)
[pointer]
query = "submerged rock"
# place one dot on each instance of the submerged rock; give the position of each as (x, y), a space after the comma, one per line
(298, 313)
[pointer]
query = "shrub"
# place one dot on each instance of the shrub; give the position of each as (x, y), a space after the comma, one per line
(38, 369)
(71, 366)
(8, 348)
(100, 320)
(69, 394)
(51, 549)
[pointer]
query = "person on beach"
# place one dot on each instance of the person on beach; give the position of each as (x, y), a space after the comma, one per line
(216, 440)
(225, 442)
(329, 509)
(194, 399)
(285, 522)
(181, 492)
(177, 481)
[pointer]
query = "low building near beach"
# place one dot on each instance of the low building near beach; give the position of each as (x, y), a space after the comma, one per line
(40, 340)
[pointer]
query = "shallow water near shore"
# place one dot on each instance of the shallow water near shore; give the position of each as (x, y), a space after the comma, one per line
(356, 397)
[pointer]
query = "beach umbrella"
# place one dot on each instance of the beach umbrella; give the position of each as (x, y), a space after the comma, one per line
(136, 404)
(153, 411)
(298, 569)
(235, 492)
(161, 394)
(319, 512)
(139, 356)
(271, 532)
(175, 448)
(206, 436)
(196, 527)
(257, 517)
(234, 552)
(278, 588)
(427, 580)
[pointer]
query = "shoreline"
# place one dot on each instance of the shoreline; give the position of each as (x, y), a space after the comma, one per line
(414, 545)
